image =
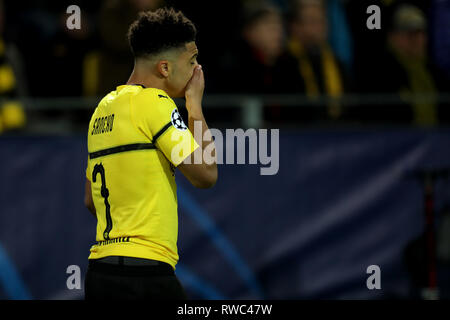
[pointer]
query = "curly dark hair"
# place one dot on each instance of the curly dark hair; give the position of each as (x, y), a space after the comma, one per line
(156, 31)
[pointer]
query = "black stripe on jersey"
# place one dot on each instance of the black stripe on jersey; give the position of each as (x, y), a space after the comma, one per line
(160, 132)
(119, 149)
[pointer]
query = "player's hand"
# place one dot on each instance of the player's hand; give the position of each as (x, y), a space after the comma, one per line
(194, 89)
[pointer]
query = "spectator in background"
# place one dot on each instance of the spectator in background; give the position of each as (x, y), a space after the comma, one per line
(69, 47)
(105, 66)
(12, 116)
(260, 64)
(408, 44)
(321, 72)
(404, 69)
(339, 34)
(50, 50)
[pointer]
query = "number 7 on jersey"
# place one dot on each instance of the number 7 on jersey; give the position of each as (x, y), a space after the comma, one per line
(98, 168)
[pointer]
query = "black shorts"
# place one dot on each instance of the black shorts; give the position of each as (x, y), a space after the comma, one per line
(126, 278)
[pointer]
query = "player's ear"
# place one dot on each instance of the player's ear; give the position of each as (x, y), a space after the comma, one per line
(163, 68)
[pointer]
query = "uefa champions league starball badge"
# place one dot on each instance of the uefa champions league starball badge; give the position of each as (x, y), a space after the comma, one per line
(177, 121)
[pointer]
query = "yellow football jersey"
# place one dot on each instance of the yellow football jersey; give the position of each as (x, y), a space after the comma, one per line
(136, 138)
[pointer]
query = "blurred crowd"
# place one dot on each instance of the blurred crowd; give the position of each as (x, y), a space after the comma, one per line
(314, 48)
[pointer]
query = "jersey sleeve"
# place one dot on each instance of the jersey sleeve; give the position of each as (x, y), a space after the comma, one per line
(157, 116)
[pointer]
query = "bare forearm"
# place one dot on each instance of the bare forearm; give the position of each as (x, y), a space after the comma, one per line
(204, 156)
(203, 136)
(197, 124)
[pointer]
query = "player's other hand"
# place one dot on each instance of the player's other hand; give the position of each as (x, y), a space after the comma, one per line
(195, 88)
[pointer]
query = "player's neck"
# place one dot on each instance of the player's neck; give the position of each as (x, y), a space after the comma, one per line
(146, 79)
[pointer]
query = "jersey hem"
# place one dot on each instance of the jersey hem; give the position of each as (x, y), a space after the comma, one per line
(130, 250)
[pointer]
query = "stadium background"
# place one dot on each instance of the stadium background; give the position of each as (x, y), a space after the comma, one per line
(359, 166)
